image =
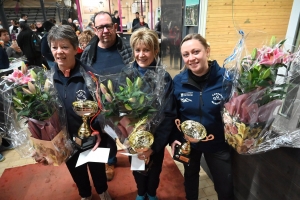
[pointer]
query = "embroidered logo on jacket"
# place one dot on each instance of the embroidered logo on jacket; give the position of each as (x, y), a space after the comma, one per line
(217, 98)
(186, 95)
(80, 95)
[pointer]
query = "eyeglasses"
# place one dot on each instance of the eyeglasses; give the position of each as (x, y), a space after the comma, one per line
(101, 28)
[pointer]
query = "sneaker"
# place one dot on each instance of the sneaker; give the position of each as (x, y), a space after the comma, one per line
(110, 171)
(2, 158)
(151, 197)
(138, 197)
(87, 198)
(105, 196)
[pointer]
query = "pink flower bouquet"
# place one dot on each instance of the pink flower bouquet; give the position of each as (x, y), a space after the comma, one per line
(257, 94)
(32, 104)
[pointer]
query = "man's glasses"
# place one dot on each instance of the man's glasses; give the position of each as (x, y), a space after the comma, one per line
(101, 28)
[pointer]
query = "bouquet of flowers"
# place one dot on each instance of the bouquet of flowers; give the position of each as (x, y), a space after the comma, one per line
(132, 104)
(260, 85)
(32, 103)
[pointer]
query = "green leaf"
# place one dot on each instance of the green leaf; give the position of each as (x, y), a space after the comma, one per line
(254, 53)
(263, 83)
(265, 74)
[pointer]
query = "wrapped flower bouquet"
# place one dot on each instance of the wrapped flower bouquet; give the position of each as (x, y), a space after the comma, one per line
(31, 103)
(132, 104)
(260, 86)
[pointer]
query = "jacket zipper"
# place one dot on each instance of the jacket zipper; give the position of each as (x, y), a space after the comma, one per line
(65, 91)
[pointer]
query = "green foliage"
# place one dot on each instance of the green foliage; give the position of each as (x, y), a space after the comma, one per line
(130, 99)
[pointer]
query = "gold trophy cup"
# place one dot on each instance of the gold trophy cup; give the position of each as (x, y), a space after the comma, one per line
(140, 140)
(85, 109)
(193, 132)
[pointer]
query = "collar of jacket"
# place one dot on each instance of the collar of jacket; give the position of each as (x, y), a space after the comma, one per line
(75, 72)
(94, 44)
(186, 79)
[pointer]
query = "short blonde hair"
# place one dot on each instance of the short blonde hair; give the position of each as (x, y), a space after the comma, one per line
(147, 37)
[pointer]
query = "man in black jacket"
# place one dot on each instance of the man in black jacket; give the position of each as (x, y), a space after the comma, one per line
(107, 53)
(136, 20)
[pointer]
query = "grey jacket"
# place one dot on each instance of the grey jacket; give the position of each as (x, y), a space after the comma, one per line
(88, 56)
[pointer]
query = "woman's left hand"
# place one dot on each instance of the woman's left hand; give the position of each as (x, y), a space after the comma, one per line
(145, 155)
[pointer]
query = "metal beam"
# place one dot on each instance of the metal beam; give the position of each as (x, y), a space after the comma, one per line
(3, 16)
(43, 9)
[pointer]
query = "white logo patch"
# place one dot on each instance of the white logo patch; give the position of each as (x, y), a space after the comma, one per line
(185, 100)
(186, 95)
(80, 95)
(217, 98)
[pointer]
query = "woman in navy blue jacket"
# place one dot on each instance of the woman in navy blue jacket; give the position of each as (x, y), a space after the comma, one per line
(71, 87)
(145, 47)
(199, 94)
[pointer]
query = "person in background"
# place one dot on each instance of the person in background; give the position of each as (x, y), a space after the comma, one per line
(45, 49)
(116, 20)
(39, 28)
(1, 24)
(157, 28)
(145, 45)
(90, 26)
(84, 38)
(12, 49)
(201, 83)
(53, 21)
(68, 81)
(107, 53)
(70, 20)
(136, 20)
(13, 26)
(23, 18)
(24, 41)
(4, 62)
(141, 24)
(77, 25)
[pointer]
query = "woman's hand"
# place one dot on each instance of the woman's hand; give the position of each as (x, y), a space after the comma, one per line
(145, 155)
(97, 141)
(173, 146)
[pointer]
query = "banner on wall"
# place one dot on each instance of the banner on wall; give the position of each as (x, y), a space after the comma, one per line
(191, 13)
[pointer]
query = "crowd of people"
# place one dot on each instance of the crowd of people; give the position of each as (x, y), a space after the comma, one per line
(100, 49)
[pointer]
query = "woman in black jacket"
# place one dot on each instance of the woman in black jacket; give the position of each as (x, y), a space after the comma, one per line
(71, 87)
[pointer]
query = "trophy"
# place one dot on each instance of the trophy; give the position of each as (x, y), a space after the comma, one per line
(193, 132)
(85, 109)
(141, 140)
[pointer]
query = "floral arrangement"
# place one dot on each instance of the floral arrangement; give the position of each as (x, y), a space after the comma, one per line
(131, 102)
(32, 103)
(257, 94)
(129, 99)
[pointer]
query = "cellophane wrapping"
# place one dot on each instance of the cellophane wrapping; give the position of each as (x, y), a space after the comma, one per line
(34, 116)
(262, 112)
(130, 101)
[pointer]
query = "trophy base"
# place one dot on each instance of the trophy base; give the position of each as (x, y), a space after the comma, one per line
(85, 143)
(179, 156)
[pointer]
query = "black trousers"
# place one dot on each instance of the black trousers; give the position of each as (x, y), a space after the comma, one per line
(149, 183)
(97, 170)
(219, 164)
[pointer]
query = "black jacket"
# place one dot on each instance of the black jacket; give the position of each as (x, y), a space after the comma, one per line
(45, 49)
(69, 91)
(24, 42)
(89, 54)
